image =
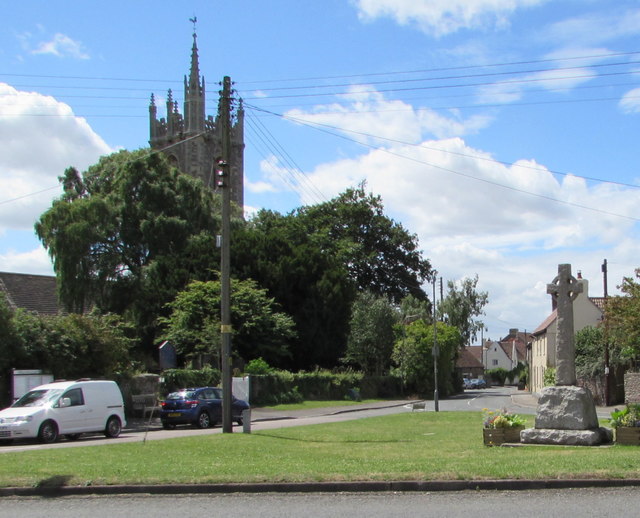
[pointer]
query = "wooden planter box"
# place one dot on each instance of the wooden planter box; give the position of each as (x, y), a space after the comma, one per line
(629, 435)
(498, 436)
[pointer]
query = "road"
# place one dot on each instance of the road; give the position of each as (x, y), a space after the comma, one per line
(610, 502)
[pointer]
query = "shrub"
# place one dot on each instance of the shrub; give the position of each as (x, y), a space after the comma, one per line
(258, 366)
(550, 377)
(498, 375)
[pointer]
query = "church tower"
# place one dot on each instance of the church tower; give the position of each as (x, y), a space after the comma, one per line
(193, 143)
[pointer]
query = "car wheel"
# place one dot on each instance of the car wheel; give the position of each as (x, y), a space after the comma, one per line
(72, 436)
(113, 428)
(48, 432)
(204, 420)
(168, 426)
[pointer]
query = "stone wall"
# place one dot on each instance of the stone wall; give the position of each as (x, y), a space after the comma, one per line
(632, 387)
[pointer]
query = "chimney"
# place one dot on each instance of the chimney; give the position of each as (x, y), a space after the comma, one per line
(579, 274)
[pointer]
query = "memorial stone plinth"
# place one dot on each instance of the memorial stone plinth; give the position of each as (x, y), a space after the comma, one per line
(566, 415)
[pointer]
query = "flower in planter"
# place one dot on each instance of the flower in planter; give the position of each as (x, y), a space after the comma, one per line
(501, 419)
(628, 416)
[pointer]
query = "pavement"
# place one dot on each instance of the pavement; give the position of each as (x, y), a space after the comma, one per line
(521, 399)
(269, 414)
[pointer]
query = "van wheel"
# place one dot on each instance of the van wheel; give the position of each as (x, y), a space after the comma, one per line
(48, 432)
(72, 436)
(204, 420)
(113, 428)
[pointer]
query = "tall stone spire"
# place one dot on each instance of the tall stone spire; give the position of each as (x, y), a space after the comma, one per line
(194, 94)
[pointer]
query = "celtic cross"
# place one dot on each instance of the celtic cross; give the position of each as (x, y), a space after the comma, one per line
(564, 289)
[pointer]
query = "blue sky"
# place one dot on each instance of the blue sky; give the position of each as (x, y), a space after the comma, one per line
(503, 133)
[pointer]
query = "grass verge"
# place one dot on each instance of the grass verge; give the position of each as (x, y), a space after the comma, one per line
(409, 446)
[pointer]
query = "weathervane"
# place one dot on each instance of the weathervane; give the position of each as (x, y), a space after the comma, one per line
(193, 21)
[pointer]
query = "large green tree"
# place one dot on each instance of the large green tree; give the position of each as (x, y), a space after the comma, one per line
(260, 330)
(461, 307)
(315, 259)
(380, 255)
(128, 234)
(307, 280)
(371, 334)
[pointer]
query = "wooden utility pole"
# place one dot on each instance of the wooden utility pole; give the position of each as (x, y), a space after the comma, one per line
(225, 256)
(606, 336)
(435, 351)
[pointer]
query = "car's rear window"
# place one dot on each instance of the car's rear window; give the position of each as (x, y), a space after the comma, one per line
(190, 394)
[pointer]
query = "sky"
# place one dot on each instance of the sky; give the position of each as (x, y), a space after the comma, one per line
(502, 133)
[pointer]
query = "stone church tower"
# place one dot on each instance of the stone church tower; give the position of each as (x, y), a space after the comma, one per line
(193, 142)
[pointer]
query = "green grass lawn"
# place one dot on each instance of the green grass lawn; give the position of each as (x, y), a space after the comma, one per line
(408, 446)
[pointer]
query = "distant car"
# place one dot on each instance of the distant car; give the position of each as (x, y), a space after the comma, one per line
(200, 407)
(466, 383)
(477, 383)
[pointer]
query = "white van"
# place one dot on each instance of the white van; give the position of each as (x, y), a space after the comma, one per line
(66, 408)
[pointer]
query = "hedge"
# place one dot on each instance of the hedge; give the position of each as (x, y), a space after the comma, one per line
(286, 387)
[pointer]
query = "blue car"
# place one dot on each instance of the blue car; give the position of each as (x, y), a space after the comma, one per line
(200, 407)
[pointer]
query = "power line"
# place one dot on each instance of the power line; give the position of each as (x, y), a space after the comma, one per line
(444, 69)
(441, 87)
(442, 78)
(302, 182)
(333, 77)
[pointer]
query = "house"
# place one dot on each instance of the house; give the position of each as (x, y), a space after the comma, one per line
(37, 293)
(469, 363)
(507, 354)
(587, 311)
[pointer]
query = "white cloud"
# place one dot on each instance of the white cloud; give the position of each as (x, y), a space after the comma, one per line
(39, 138)
(594, 28)
(62, 46)
(365, 114)
(441, 17)
(630, 102)
(35, 261)
(568, 73)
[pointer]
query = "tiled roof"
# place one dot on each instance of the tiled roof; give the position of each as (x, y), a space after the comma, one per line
(599, 302)
(469, 357)
(36, 293)
(546, 323)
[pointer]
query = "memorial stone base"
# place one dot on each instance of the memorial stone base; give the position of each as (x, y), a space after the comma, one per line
(566, 415)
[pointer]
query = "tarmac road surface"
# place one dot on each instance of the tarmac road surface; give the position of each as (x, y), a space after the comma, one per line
(585, 503)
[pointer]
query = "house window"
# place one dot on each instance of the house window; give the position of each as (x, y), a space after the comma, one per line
(494, 362)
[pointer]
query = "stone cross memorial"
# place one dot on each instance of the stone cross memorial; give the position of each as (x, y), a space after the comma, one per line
(564, 289)
(566, 413)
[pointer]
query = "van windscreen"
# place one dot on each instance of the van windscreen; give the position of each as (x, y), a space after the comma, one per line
(37, 397)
